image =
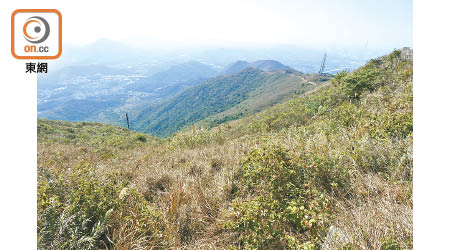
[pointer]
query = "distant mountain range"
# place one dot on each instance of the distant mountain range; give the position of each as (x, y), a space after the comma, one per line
(264, 65)
(154, 58)
(164, 102)
(185, 74)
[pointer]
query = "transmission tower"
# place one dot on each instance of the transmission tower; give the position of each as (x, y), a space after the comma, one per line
(322, 66)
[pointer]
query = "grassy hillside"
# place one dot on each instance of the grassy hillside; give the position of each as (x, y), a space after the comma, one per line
(88, 133)
(335, 160)
(279, 86)
(223, 98)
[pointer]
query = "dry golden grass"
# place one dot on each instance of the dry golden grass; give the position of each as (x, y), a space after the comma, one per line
(187, 182)
(382, 212)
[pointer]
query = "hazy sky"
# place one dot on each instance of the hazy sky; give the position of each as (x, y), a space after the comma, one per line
(323, 23)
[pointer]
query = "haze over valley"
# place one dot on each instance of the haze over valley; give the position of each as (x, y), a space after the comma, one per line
(105, 80)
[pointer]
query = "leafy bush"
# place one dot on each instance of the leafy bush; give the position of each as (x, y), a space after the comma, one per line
(339, 78)
(390, 245)
(79, 211)
(73, 210)
(277, 207)
(359, 81)
(141, 138)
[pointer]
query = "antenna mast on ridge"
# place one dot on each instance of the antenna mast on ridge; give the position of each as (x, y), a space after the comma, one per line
(322, 66)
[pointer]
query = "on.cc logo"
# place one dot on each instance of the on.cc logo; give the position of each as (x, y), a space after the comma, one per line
(36, 34)
(36, 29)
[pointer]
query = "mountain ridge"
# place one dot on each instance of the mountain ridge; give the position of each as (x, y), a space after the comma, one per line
(223, 98)
(264, 65)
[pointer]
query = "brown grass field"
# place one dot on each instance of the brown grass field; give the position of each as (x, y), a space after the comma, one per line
(278, 179)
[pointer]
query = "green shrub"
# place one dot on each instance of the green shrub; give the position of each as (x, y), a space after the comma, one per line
(390, 245)
(400, 125)
(339, 78)
(74, 210)
(395, 55)
(79, 211)
(141, 138)
(359, 81)
(277, 207)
